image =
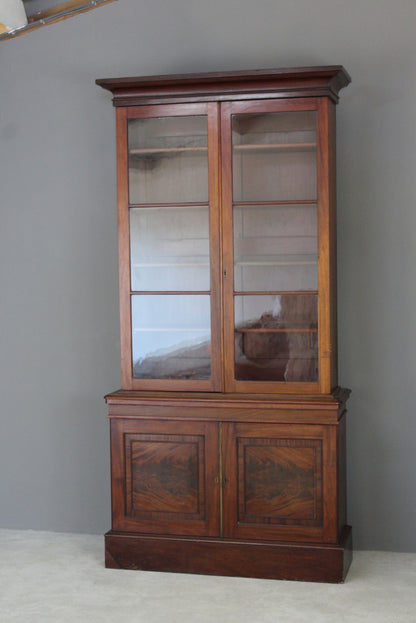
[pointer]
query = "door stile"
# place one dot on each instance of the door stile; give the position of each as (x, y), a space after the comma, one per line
(214, 182)
(221, 480)
(227, 245)
(229, 494)
(324, 227)
(124, 248)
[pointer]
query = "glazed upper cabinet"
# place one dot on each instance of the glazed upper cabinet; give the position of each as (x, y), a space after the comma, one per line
(227, 244)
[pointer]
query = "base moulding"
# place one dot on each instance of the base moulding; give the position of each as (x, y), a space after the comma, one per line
(254, 559)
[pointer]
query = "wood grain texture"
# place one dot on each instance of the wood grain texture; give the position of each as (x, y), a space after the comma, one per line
(318, 563)
(165, 477)
(227, 246)
(167, 110)
(277, 482)
(124, 249)
(324, 320)
(332, 242)
(242, 473)
(335, 401)
(342, 473)
(315, 370)
(299, 82)
(244, 374)
(214, 177)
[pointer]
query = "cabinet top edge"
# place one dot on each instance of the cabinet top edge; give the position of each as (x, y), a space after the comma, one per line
(292, 82)
(336, 399)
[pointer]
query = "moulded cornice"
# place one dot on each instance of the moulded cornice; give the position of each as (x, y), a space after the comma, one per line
(271, 83)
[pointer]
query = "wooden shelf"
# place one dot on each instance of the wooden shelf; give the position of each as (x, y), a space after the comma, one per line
(283, 262)
(168, 264)
(171, 330)
(260, 148)
(165, 151)
(284, 203)
(274, 147)
(54, 14)
(275, 330)
(275, 292)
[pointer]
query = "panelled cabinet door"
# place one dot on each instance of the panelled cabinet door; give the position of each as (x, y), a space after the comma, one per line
(279, 482)
(165, 477)
(276, 201)
(168, 185)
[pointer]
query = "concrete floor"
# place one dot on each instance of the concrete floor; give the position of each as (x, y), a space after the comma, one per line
(47, 577)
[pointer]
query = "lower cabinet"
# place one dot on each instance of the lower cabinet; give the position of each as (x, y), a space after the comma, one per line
(234, 481)
(221, 486)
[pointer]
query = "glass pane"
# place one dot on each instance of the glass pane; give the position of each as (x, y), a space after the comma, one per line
(274, 156)
(171, 336)
(169, 248)
(275, 248)
(168, 160)
(276, 337)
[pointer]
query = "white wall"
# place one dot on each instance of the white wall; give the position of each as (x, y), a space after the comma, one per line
(58, 245)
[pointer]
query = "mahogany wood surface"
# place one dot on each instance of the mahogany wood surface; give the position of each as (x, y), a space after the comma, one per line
(336, 400)
(323, 385)
(252, 559)
(289, 469)
(165, 477)
(273, 481)
(123, 248)
(299, 82)
(210, 110)
(241, 472)
(225, 372)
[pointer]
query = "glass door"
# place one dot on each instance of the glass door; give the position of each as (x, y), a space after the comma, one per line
(271, 249)
(170, 216)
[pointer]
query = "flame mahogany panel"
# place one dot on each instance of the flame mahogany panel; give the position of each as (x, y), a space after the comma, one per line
(165, 477)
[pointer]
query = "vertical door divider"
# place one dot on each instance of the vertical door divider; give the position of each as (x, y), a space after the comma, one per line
(221, 478)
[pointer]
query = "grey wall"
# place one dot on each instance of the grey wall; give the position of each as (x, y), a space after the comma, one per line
(58, 248)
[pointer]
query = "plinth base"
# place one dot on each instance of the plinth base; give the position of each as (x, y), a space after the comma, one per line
(254, 559)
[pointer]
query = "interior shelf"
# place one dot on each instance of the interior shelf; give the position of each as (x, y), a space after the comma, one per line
(162, 151)
(283, 203)
(276, 330)
(258, 147)
(282, 262)
(276, 292)
(167, 264)
(274, 147)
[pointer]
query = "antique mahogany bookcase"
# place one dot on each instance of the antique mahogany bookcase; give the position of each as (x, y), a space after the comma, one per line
(228, 435)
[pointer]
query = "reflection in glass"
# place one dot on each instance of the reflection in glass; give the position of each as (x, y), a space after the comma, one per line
(275, 247)
(274, 156)
(168, 160)
(171, 337)
(276, 337)
(169, 248)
